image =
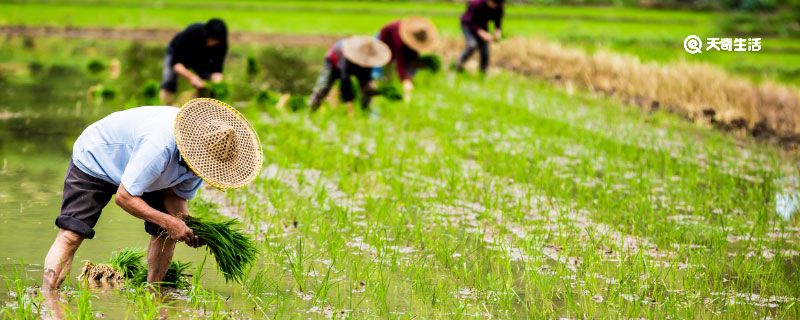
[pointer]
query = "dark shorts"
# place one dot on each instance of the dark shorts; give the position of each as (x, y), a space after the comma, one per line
(86, 196)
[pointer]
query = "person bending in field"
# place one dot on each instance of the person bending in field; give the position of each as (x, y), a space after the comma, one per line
(475, 25)
(153, 159)
(353, 56)
(196, 54)
(407, 39)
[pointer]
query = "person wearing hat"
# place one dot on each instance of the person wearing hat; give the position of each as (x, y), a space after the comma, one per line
(407, 39)
(152, 159)
(475, 26)
(353, 56)
(197, 54)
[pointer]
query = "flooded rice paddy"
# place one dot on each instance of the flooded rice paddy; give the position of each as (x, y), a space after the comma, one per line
(481, 198)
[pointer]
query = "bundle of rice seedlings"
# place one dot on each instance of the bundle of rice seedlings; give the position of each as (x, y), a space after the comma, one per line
(233, 251)
(390, 92)
(128, 262)
(128, 265)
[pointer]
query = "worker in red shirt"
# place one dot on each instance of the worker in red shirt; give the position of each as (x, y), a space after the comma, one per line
(475, 25)
(407, 39)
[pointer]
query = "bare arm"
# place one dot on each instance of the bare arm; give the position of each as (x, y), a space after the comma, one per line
(196, 81)
(176, 228)
(485, 35)
(216, 77)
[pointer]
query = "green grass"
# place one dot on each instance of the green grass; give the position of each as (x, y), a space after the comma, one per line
(653, 35)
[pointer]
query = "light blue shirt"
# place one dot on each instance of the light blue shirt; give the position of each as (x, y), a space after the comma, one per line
(136, 148)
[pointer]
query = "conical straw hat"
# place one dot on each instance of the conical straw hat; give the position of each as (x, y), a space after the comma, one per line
(419, 33)
(366, 51)
(217, 143)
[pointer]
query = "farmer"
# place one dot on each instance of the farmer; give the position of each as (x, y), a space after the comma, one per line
(153, 159)
(475, 25)
(407, 39)
(353, 56)
(196, 54)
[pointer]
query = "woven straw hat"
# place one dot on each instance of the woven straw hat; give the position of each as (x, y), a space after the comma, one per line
(366, 51)
(419, 33)
(217, 143)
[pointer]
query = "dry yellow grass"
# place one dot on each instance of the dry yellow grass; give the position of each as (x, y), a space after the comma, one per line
(697, 91)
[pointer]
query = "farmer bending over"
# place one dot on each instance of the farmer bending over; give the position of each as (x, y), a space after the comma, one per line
(475, 25)
(196, 54)
(407, 39)
(153, 159)
(353, 56)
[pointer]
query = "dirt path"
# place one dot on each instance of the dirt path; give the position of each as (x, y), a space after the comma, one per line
(163, 35)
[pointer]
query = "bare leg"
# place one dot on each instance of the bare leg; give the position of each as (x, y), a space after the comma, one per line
(159, 255)
(166, 97)
(59, 259)
(56, 267)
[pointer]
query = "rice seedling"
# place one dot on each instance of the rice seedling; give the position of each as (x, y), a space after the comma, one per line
(127, 266)
(128, 261)
(233, 251)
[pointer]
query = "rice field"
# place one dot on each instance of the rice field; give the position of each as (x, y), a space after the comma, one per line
(483, 197)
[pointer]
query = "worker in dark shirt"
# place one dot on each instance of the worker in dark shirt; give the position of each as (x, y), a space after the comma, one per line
(353, 56)
(196, 54)
(475, 25)
(407, 39)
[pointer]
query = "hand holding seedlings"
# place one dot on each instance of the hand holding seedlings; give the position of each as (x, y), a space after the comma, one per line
(177, 230)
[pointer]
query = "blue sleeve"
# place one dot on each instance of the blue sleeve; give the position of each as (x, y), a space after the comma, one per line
(188, 188)
(148, 162)
(377, 73)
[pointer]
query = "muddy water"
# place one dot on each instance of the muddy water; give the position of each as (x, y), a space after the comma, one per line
(40, 116)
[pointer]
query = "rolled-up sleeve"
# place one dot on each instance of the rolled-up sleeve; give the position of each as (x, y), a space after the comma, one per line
(188, 188)
(145, 166)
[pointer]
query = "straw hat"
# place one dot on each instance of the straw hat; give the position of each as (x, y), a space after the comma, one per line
(217, 143)
(366, 51)
(419, 33)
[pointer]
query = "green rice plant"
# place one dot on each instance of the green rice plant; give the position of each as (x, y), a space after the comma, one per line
(128, 261)
(174, 278)
(96, 66)
(430, 62)
(233, 251)
(390, 92)
(216, 90)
